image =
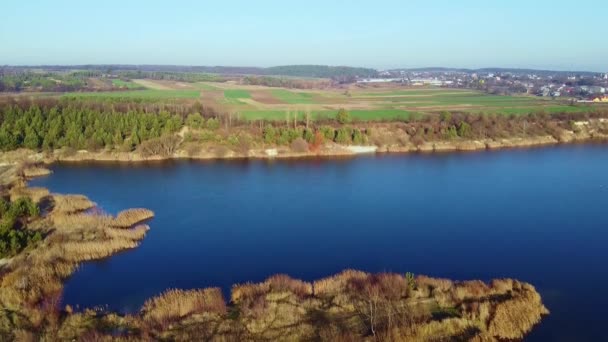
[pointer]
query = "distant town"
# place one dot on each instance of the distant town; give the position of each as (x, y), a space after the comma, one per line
(567, 85)
(580, 86)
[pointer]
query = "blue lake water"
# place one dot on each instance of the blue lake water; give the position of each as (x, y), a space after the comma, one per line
(538, 215)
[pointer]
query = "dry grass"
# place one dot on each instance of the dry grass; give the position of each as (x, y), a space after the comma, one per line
(33, 171)
(176, 304)
(514, 318)
(136, 233)
(91, 250)
(69, 204)
(337, 283)
(130, 217)
(276, 283)
(34, 193)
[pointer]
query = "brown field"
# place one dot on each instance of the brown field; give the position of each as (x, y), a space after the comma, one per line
(265, 97)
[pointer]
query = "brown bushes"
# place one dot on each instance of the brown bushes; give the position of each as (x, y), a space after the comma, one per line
(164, 146)
(175, 304)
(299, 145)
(130, 217)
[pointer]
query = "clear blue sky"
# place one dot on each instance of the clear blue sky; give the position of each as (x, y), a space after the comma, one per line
(555, 34)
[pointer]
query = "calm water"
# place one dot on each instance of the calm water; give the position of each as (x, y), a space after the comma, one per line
(537, 215)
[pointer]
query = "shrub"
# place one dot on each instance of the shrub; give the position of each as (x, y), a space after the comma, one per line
(358, 138)
(464, 130)
(318, 141)
(299, 145)
(328, 132)
(270, 134)
(343, 117)
(164, 146)
(309, 136)
(195, 120)
(446, 116)
(343, 136)
(287, 136)
(213, 124)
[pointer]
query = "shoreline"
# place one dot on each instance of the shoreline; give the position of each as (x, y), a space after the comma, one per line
(332, 151)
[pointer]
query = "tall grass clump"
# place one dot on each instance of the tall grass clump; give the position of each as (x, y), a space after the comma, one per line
(35, 171)
(69, 204)
(36, 194)
(176, 304)
(130, 217)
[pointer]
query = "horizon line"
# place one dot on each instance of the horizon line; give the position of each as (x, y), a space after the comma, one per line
(286, 65)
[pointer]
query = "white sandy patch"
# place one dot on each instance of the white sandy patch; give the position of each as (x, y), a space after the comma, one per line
(362, 149)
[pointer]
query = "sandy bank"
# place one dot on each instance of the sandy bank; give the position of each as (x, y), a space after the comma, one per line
(328, 150)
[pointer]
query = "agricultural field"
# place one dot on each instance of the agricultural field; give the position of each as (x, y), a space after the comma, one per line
(118, 83)
(364, 103)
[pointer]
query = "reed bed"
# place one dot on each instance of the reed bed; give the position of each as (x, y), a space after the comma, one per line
(337, 283)
(35, 171)
(136, 233)
(71, 222)
(69, 204)
(515, 317)
(176, 304)
(91, 250)
(36, 194)
(276, 283)
(130, 217)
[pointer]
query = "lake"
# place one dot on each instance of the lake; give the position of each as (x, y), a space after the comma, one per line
(537, 215)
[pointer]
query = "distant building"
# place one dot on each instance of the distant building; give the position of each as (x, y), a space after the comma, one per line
(380, 80)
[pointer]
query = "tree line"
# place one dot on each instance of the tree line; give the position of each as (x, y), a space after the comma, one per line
(78, 127)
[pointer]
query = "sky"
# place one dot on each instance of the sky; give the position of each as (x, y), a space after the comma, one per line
(541, 34)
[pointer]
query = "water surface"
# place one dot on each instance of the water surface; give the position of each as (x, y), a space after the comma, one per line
(537, 215)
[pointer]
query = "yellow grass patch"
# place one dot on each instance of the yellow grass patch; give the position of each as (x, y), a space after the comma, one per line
(71, 203)
(33, 171)
(176, 304)
(130, 217)
(34, 193)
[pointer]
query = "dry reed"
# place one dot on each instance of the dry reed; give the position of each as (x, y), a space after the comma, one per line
(130, 217)
(34, 171)
(34, 193)
(69, 204)
(337, 283)
(90, 250)
(136, 233)
(176, 304)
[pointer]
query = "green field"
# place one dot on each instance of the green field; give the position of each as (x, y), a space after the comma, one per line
(292, 97)
(237, 94)
(118, 83)
(267, 103)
